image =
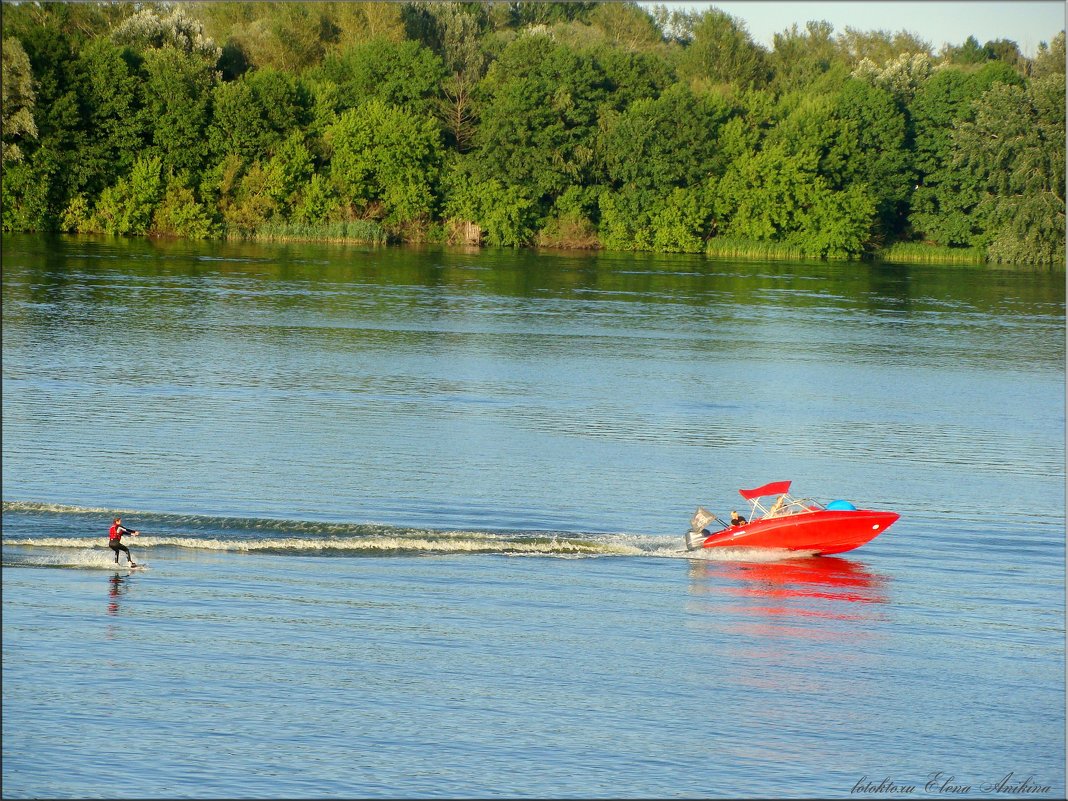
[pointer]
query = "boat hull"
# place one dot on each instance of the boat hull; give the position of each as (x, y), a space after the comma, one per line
(820, 532)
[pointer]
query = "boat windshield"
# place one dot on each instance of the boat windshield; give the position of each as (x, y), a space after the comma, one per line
(783, 505)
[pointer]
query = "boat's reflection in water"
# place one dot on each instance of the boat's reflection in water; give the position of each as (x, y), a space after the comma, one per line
(791, 591)
(785, 641)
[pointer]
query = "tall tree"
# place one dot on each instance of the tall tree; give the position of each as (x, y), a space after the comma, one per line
(943, 203)
(799, 58)
(388, 157)
(626, 25)
(773, 196)
(18, 99)
(879, 47)
(539, 117)
(109, 80)
(1050, 58)
(722, 52)
(37, 189)
(1014, 150)
(178, 91)
(399, 73)
(465, 61)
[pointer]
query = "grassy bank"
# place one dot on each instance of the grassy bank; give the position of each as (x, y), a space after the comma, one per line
(920, 253)
(364, 232)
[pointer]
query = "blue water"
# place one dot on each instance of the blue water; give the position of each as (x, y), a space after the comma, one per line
(413, 521)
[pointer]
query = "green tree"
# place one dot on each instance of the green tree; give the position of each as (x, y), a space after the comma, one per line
(178, 89)
(665, 143)
(253, 114)
(856, 136)
(902, 77)
(237, 126)
(457, 31)
(879, 47)
(722, 52)
(289, 170)
(682, 221)
(286, 36)
(943, 203)
(800, 58)
(506, 214)
(147, 30)
(870, 148)
(1050, 58)
(108, 85)
(250, 202)
(18, 99)
(539, 118)
(398, 73)
(180, 214)
(550, 13)
(632, 76)
(388, 157)
(36, 194)
(1014, 151)
(626, 26)
(774, 196)
(352, 23)
(128, 206)
(317, 201)
(968, 53)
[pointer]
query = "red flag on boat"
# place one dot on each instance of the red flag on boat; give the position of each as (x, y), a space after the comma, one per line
(774, 488)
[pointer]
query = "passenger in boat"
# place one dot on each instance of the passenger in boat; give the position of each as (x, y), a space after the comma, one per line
(737, 519)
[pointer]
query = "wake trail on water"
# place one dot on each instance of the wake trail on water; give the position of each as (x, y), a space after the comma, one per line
(191, 533)
(82, 558)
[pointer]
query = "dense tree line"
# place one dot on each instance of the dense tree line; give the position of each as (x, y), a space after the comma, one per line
(555, 124)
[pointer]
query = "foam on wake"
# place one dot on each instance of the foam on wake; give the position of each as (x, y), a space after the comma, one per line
(453, 543)
(83, 558)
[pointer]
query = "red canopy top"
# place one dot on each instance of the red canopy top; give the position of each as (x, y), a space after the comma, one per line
(774, 488)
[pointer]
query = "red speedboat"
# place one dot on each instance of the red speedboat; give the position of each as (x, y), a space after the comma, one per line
(793, 524)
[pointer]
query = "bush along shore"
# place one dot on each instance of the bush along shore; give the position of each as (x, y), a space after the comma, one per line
(560, 125)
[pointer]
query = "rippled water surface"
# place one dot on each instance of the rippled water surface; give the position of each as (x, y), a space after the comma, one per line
(413, 525)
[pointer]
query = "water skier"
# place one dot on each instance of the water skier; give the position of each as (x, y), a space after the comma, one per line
(115, 540)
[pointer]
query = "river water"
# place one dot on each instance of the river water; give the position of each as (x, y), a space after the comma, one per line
(413, 519)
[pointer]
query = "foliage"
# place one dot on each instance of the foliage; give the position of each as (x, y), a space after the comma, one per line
(383, 154)
(511, 124)
(879, 47)
(1015, 152)
(403, 74)
(901, 77)
(722, 52)
(798, 59)
(18, 99)
(506, 214)
(539, 118)
(1050, 59)
(128, 206)
(626, 26)
(253, 114)
(179, 88)
(944, 204)
(317, 201)
(113, 115)
(779, 197)
(664, 143)
(147, 29)
(180, 214)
